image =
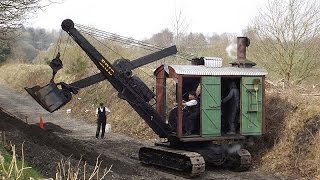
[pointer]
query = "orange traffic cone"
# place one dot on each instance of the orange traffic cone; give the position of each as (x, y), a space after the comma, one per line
(41, 122)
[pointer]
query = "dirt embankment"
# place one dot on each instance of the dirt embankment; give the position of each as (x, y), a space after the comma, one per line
(43, 148)
(65, 136)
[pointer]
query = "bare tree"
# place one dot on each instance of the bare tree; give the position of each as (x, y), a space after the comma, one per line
(14, 12)
(180, 26)
(223, 46)
(288, 31)
(163, 38)
(195, 43)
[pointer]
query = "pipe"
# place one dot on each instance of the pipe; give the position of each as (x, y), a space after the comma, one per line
(242, 44)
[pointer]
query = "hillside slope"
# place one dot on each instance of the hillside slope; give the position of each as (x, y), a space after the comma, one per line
(290, 147)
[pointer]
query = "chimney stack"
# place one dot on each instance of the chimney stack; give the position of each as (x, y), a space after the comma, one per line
(242, 61)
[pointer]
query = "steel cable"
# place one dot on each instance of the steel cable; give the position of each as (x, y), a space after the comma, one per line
(96, 33)
(129, 41)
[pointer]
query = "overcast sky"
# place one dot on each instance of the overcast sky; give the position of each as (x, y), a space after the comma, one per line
(142, 18)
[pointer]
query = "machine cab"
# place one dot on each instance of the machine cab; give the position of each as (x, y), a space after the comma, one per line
(211, 82)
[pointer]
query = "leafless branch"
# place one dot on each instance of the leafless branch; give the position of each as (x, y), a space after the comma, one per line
(13, 13)
(288, 31)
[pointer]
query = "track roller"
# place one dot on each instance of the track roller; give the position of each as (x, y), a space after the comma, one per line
(186, 162)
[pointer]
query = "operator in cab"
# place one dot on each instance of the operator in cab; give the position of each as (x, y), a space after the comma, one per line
(190, 113)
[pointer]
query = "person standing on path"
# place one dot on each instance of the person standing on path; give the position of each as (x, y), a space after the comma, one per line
(101, 113)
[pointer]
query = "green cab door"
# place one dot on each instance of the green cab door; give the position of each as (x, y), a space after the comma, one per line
(211, 106)
(251, 108)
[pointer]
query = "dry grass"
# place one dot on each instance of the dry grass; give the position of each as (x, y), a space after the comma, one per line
(291, 145)
(10, 166)
(66, 171)
(13, 171)
(123, 118)
(19, 76)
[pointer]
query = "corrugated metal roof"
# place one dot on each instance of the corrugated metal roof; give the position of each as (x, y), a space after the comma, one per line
(222, 71)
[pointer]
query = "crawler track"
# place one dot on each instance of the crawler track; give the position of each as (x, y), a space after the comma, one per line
(186, 162)
(239, 161)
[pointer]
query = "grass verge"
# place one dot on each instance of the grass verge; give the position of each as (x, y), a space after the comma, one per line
(12, 168)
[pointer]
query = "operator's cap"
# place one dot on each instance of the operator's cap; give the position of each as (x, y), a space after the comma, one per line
(193, 93)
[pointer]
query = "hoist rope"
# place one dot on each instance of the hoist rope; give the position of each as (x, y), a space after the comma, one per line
(57, 49)
(129, 41)
(96, 33)
(105, 45)
(65, 47)
(117, 38)
(140, 69)
(57, 45)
